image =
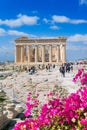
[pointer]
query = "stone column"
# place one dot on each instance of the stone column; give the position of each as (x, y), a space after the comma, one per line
(19, 54)
(28, 54)
(16, 54)
(43, 54)
(36, 53)
(58, 54)
(64, 53)
(22, 53)
(50, 53)
(61, 53)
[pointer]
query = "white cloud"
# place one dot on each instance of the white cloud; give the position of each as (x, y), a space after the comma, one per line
(54, 27)
(4, 49)
(60, 19)
(2, 32)
(78, 38)
(76, 48)
(79, 21)
(83, 2)
(64, 19)
(77, 43)
(16, 33)
(21, 20)
(46, 20)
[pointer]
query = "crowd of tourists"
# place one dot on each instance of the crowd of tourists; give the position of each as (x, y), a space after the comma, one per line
(31, 70)
(66, 67)
(48, 67)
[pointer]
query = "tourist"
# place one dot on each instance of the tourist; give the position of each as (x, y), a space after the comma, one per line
(62, 70)
(49, 67)
(32, 70)
(53, 66)
(71, 68)
(46, 67)
(39, 67)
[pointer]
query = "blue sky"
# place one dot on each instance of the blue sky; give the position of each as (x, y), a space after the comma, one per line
(44, 18)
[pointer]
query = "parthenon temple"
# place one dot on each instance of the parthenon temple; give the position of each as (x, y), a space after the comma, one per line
(40, 50)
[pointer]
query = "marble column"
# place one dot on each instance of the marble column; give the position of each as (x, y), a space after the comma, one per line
(50, 53)
(28, 53)
(61, 56)
(36, 53)
(43, 54)
(64, 53)
(22, 53)
(16, 54)
(19, 54)
(58, 54)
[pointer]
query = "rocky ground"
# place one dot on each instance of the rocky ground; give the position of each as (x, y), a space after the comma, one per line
(19, 84)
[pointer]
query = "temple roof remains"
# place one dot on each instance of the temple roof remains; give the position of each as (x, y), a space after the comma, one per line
(26, 39)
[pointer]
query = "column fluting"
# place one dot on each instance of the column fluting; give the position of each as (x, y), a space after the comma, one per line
(43, 54)
(50, 53)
